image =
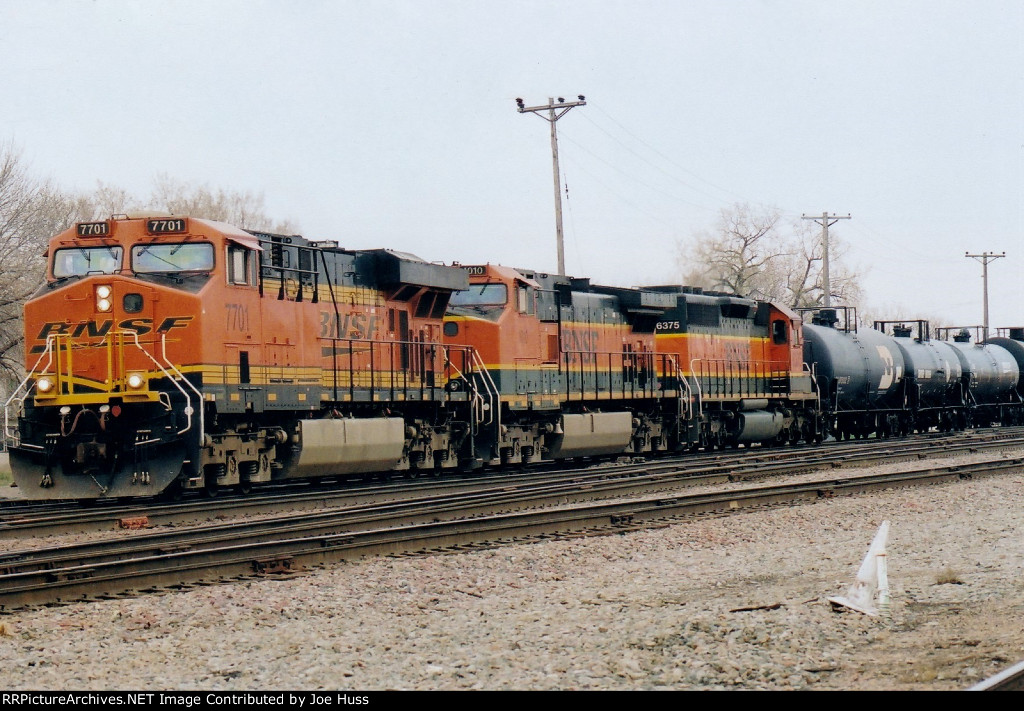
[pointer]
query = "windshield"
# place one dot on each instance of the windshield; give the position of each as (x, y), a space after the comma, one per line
(79, 261)
(182, 257)
(481, 295)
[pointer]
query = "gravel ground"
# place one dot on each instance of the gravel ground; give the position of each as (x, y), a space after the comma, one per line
(654, 609)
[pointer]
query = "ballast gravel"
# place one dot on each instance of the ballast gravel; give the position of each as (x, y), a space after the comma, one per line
(734, 602)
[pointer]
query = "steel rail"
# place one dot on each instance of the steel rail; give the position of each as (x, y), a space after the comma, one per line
(681, 471)
(1011, 679)
(323, 541)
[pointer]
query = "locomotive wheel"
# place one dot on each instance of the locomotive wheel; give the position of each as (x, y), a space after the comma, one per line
(173, 492)
(244, 487)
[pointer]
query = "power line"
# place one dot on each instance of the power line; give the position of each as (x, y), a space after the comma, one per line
(638, 181)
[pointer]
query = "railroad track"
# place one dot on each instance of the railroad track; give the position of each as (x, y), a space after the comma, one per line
(709, 468)
(1011, 679)
(431, 524)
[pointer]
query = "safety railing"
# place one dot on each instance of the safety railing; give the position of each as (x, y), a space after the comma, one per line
(357, 369)
(812, 371)
(672, 373)
(731, 378)
(18, 395)
(491, 413)
(66, 385)
(613, 375)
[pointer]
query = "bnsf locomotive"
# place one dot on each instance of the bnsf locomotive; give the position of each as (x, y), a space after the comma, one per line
(174, 353)
(169, 353)
(581, 369)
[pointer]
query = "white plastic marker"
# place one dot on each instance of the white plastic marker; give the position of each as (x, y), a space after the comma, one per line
(872, 578)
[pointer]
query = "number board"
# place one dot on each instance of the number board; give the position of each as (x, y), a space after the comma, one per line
(165, 226)
(476, 271)
(93, 229)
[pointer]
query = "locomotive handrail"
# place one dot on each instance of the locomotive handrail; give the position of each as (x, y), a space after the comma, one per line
(700, 392)
(477, 399)
(199, 395)
(812, 371)
(589, 363)
(391, 366)
(492, 389)
(188, 400)
(729, 380)
(47, 351)
(686, 410)
(684, 406)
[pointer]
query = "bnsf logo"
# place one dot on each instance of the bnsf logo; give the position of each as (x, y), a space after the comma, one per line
(99, 329)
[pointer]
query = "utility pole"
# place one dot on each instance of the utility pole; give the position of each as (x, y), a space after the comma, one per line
(985, 258)
(554, 112)
(825, 221)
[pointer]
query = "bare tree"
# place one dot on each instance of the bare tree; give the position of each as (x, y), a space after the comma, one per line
(107, 200)
(30, 212)
(242, 209)
(753, 252)
(801, 269)
(739, 256)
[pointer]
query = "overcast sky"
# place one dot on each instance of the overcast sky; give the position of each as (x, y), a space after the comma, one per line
(393, 124)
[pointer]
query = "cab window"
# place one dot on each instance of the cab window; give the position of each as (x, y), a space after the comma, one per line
(240, 265)
(481, 295)
(524, 300)
(779, 336)
(79, 261)
(181, 257)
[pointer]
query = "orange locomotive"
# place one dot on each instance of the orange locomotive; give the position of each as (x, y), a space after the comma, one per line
(173, 353)
(743, 361)
(583, 370)
(169, 353)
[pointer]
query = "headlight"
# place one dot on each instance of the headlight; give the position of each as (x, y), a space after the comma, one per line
(44, 385)
(103, 302)
(136, 380)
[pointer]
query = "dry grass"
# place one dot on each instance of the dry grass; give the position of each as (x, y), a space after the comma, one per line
(948, 577)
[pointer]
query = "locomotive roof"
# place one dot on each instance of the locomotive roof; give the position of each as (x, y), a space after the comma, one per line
(395, 268)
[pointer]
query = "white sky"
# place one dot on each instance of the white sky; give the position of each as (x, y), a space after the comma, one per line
(393, 124)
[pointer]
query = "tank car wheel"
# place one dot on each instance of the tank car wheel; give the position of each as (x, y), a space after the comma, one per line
(211, 490)
(244, 487)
